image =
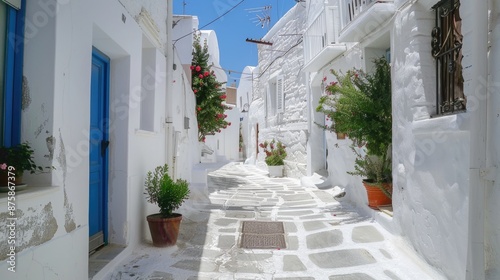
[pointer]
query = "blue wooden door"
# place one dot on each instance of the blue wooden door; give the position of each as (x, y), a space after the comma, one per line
(98, 157)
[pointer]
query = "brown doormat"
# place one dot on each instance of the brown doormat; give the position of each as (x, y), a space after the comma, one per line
(256, 227)
(262, 235)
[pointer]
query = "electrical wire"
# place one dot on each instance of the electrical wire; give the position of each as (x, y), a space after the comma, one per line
(216, 19)
(268, 66)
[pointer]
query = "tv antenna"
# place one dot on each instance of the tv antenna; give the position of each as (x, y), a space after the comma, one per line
(262, 17)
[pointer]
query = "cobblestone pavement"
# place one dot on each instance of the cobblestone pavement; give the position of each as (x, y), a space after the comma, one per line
(324, 239)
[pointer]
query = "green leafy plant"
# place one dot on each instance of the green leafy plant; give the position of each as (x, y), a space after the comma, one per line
(164, 191)
(21, 158)
(210, 97)
(275, 152)
(359, 105)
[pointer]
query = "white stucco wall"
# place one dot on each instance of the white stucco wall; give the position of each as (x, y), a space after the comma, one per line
(340, 156)
(184, 25)
(285, 57)
(54, 241)
(492, 193)
(435, 208)
(244, 95)
(431, 157)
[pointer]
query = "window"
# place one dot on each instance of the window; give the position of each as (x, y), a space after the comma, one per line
(148, 88)
(11, 61)
(280, 95)
(447, 50)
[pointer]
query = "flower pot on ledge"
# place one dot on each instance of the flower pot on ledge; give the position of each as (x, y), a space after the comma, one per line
(276, 170)
(4, 179)
(376, 197)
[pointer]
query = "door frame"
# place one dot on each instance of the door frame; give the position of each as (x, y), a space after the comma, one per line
(105, 60)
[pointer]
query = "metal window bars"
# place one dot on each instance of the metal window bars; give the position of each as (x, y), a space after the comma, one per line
(447, 50)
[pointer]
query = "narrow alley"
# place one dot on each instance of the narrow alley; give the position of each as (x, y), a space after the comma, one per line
(324, 238)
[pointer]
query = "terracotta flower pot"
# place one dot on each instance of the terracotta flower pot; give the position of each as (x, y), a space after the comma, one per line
(376, 196)
(164, 231)
(4, 182)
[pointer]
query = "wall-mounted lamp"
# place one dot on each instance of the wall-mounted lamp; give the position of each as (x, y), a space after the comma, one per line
(245, 108)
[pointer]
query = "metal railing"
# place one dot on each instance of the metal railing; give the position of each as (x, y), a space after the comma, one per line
(355, 7)
(322, 32)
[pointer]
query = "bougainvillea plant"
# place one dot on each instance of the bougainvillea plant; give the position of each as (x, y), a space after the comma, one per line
(210, 97)
(359, 104)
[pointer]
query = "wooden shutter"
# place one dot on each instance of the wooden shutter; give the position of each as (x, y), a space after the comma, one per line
(280, 95)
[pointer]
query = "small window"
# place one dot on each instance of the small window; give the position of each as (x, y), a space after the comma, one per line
(447, 50)
(280, 95)
(148, 89)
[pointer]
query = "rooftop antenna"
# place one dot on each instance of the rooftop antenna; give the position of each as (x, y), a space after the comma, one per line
(184, 4)
(263, 17)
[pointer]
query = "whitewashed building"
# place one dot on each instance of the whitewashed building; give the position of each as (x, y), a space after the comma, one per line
(279, 107)
(445, 151)
(224, 144)
(244, 97)
(99, 98)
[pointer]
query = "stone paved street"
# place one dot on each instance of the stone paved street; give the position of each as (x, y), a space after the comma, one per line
(325, 239)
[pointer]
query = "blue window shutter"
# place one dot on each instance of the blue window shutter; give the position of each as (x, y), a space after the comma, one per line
(14, 56)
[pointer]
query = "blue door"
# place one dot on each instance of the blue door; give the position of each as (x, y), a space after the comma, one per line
(98, 157)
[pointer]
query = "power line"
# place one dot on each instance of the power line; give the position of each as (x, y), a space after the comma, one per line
(216, 19)
(268, 66)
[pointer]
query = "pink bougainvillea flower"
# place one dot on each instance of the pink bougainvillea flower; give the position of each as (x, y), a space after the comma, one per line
(200, 76)
(198, 68)
(206, 73)
(324, 79)
(195, 91)
(192, 67)
(199, 108)
(3, 166)
(229, 123)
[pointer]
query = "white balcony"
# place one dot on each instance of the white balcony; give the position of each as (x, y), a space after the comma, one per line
(362, 17)
(321, 40)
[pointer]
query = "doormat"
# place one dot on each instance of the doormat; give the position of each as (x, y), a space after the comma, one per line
(262, 235)
(256, 227)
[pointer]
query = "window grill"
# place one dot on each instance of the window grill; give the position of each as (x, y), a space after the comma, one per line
(447, 50)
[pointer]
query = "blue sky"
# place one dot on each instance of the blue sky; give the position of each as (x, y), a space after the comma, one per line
(232, 29)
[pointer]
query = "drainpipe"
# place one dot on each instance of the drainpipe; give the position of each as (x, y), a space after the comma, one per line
(169, 127)
(478, 132)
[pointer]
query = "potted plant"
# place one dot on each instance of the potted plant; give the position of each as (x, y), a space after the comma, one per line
(16, 160)
(377, 172)
(275, 156)
(359, 105)
(168, 195)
